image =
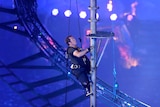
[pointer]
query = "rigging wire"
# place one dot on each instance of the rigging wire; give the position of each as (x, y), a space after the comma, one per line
(66, 55)
(80, 39)
(69, 22)
(79, 27)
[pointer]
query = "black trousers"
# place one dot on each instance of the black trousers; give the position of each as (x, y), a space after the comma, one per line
(82, 77)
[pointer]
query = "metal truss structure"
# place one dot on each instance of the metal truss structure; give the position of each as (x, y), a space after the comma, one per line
(25, 10)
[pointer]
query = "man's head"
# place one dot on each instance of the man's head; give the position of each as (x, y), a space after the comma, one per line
(71, 41)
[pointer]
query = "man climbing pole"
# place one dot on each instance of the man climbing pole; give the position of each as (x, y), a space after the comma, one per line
(80, 63)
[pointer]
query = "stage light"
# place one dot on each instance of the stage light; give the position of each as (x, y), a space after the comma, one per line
(130, 17)
(113, 17)
(55, 12)
(15, 27)
(88, 32)
(67, 13)
(110, 6)
(97, 16)
(116, 85)
(82, 14)
(69, 73)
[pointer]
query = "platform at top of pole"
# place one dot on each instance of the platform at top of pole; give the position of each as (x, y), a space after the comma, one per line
(101, 34)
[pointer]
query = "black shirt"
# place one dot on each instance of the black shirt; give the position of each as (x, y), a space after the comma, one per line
(82, 61)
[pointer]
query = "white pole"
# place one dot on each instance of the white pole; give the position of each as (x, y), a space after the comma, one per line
(93, 27)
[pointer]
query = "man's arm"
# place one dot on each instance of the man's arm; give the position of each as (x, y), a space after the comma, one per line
(81, 53)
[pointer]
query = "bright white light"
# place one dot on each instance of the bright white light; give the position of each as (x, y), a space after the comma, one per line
(55, 12)
(67, 13)
(110, 6)
(97, 16)
(113, 17)
(82, 14)
(15, 27)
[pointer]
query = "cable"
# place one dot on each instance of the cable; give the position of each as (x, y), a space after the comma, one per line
(79, 27)
(69, 18)
(66, 55)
